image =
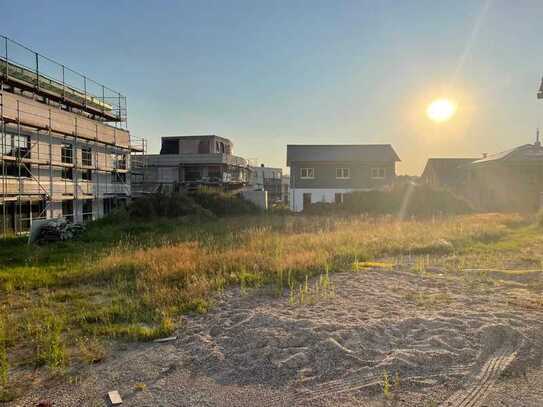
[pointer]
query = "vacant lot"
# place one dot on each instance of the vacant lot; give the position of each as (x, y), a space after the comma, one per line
(274, 308)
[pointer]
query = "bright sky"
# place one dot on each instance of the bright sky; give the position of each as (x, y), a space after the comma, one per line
(268, 73)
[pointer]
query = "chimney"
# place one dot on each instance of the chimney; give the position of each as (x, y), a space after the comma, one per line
(537, 142)
(262, 165)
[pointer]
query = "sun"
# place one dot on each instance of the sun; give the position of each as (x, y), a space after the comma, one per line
(441, 110)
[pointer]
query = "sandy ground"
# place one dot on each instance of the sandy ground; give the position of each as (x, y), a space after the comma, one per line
(442, 341)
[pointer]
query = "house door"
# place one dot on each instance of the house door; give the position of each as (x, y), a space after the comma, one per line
(306, 200)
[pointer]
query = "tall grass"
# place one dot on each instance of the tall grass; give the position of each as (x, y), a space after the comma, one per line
(174, 276)
(129, 280)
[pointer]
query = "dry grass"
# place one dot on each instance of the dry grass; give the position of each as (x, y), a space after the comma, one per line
(62, 299)
(175, 276)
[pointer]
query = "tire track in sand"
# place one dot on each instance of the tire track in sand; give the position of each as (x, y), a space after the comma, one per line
(478, 389)
(353, 384)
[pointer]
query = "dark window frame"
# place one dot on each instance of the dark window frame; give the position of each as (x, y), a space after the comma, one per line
(309, 173)
(378, 172)
(67, 173)
(86, 175)
(67, 153)
(86, 156)
(343, 173)
(68, 210)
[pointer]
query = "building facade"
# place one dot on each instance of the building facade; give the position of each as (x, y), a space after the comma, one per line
(323, 173)
(285, 186)
(192, 162)
(267, 179)
(450, 173)
(508, 181)
(64, 151)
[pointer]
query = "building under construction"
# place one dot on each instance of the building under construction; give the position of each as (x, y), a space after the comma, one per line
(64, 145)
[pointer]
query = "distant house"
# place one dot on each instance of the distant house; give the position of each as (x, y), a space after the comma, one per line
(267, 179)
(285, 183)
(448, 173)
(323, 173)
(190, 162)
(508, 181)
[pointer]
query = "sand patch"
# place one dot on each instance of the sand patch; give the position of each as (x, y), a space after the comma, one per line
(257, 349)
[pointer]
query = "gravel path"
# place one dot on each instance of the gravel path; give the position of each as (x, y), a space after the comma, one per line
(439, 341)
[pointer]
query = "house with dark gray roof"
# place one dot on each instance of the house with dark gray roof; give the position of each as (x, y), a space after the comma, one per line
(448, 173)
(324, 173)
(511, 180)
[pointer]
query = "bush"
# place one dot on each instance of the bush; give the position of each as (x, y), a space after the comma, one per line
(165, 205)
(224, 204)
(202, 204)
(408, 200)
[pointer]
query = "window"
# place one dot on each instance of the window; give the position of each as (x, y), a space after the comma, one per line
(378, 173)
(169, 146)
(119, 161)
(67, 173)
(118, 178)
(108, 206)
(86, 175)
(13, 169)
(67, 153)
(15, 145)
(343, 173)
(68, 210)
(86, 157)
(87, 210)
(307, 172)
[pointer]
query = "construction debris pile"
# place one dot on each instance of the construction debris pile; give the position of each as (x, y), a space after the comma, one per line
(53, 230)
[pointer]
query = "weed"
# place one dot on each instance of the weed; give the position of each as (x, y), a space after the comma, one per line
(309, 294)
(91, 349)
(387, 386)
(140, 387)
(4, 363)
(49, 348)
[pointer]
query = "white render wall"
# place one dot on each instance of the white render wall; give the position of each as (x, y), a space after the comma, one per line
(296, 196)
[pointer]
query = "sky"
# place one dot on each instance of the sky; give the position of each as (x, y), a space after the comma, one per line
(267, 73)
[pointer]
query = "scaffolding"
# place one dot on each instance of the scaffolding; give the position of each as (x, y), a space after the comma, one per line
(57, 151)
(30, 71)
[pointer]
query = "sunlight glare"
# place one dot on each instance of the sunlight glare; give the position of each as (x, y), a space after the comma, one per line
(441, 110)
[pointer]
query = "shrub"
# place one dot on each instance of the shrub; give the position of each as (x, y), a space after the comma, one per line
(224, 204)
(408, 200)
(205, 204)
(165, 205)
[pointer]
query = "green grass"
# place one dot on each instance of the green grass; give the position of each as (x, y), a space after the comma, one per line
(128, 281)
